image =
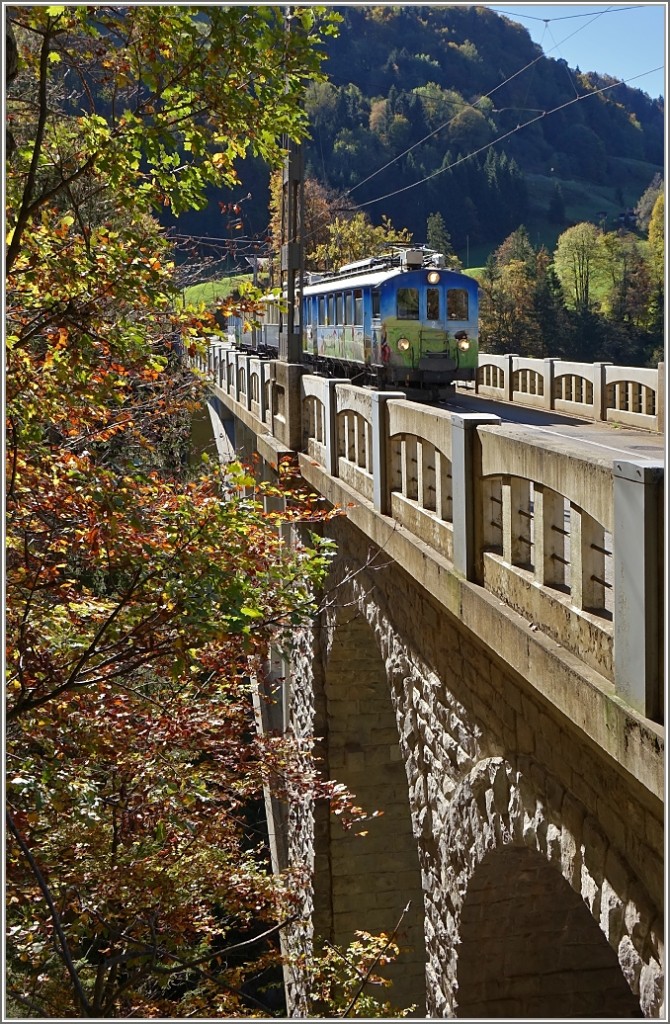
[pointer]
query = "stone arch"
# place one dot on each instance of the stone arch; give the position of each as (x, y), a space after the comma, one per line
(529, 947)
(503, 818)
(373, 870)
(212, 431)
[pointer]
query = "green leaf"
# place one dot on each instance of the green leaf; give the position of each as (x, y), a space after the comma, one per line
(251, 613)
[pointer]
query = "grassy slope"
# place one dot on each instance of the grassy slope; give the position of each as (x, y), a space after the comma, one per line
(213, 291)
(583, 201)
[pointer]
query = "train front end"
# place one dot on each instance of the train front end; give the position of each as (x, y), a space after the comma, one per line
(429, 329)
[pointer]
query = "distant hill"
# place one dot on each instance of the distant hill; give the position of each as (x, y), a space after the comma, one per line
(450, 76)
(434, 95)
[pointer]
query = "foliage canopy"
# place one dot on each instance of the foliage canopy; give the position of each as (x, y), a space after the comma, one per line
(143, 589)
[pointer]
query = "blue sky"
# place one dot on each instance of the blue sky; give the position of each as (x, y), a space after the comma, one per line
(619, 39)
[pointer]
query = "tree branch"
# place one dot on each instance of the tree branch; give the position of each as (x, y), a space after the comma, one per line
(55, 916)
(357, 993)
(24, 212)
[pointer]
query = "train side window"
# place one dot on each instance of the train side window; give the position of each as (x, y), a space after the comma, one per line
(322, 310)
(408, 303)
(348, 308)
(376, 302)
(433, 303)
(331, 310)
(457, 304)
(358, 307)
(340, 309)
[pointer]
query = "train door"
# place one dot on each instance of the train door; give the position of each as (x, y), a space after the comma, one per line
(434, 320)
(310, 324)
(373, 308)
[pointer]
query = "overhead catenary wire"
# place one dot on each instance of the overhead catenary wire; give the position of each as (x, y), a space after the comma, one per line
(561, 17)
(510, 78)
(505, 135)
(540, 113)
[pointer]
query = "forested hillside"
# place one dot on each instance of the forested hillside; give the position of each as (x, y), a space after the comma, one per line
(454, 110)
(450, 76)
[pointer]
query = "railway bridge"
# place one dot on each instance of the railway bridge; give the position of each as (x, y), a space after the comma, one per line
(487, 671)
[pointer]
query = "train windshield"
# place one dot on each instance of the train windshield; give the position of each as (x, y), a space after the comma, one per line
(408, 303)
(457, 304)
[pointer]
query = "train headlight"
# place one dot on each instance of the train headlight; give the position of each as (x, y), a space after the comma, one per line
(433, 277)
(464, 344)
(403, 344)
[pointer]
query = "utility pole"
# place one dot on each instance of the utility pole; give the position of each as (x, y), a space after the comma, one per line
(292, 245)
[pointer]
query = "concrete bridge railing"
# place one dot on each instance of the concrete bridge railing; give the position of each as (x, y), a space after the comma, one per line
(631, 395)
(555, 535)
(564, 539)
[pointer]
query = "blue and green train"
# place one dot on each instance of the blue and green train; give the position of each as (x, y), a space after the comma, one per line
(402, 321)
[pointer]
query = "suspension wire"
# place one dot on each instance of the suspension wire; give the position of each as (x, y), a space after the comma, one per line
(564, 17)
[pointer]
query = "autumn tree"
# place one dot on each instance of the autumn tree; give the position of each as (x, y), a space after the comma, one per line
(355, 237)
(320, 206)
(629, 280)
(507, 321)
(656, 237)
(656, 311)
(142, 590)
(579, 259)
(645, 204)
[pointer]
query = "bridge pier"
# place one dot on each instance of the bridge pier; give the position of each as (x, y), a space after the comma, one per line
(367, 875)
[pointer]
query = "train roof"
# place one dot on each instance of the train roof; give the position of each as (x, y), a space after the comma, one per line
(351, 281)
(372, 279)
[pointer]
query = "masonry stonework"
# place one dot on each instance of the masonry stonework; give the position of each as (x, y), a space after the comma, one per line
(520, 845)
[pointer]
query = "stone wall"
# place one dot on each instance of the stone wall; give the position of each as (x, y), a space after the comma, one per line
(541, 861)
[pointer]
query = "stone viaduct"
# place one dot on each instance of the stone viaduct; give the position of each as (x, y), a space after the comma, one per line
(487, 671)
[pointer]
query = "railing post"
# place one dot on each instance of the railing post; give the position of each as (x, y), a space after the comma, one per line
(231, 360)
(587, 561)
(272, 397)
(221, 369)
(509, 377)
(244, 363)
(262, 397)
(549, 383)
(466, 473)
(330, 422)
(380, 466)
(660, 399)
(638, 583)
(236, 379)
(600, 391)
(549, 537)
